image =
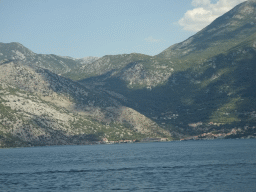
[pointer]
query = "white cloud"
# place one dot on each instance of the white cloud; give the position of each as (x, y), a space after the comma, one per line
(205, 12)
(197, 3)
(152, 40)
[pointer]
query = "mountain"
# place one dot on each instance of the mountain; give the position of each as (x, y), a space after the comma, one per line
(39, 107)
(87, 60)
(201, 85)
(54, 63)
(227, 31)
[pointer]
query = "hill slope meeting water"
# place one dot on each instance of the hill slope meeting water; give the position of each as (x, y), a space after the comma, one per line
(201, 88)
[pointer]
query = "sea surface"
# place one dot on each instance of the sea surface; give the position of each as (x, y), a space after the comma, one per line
(217, 165)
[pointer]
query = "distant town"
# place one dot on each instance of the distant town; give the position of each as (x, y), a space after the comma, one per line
(106, 141)
(246, 133)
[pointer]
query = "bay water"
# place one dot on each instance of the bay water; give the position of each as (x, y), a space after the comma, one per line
(217, 165)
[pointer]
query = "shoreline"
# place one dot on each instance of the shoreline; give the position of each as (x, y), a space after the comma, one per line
(191, 139)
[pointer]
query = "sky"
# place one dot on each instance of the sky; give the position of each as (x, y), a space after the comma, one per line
(81, 28)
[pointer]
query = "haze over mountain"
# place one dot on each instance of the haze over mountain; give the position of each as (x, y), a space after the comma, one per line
(205, 83)
(55, 63)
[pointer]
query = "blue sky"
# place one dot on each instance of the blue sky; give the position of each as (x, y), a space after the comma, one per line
(81, 28)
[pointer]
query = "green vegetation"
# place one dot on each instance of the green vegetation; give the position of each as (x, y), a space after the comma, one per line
(204, 84)
(8, 140)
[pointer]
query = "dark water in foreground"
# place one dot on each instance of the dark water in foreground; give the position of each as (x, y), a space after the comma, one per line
(218, 165)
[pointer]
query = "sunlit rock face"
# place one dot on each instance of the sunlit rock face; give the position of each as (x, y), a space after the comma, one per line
(202, 85)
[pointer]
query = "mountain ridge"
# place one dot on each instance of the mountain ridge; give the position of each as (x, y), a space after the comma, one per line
(54, 63)
(203, 84)
(184, 76)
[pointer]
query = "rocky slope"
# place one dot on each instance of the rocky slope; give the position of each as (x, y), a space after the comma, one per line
(39, 107)
(222, 34)
(54, 63)
(202, 85)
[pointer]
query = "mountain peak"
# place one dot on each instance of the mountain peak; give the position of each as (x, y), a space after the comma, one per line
(225, 32)
(14, 51)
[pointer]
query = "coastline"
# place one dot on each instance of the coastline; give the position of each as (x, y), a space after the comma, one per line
(195, 138)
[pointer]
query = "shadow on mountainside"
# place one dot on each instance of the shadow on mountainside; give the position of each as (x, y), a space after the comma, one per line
(225, 94)
(220, 92)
